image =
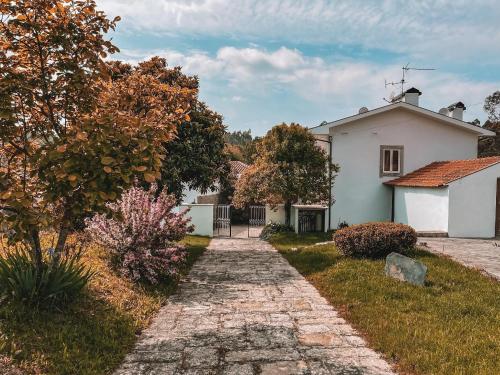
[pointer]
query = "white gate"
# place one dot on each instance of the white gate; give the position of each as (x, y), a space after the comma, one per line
(256, 220)
(222, 220)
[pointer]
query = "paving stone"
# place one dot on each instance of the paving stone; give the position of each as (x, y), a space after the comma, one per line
(244, 310)
(474, 253)
(284, 368)
(238, 369)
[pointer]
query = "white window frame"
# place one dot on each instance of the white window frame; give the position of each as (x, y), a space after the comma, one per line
(392, 150)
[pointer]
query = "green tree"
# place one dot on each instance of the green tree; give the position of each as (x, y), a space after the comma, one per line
(71, 139)
(490, 146)
(289, 168)
(197, 157)
(242, 146)
(492, 106)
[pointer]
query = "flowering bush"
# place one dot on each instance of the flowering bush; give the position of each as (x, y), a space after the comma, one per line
(141, 234)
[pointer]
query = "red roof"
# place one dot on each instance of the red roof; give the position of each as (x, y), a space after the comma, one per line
(441, 173)
(237, 167)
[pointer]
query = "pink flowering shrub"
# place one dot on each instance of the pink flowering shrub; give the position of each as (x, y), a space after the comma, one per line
(142, 234)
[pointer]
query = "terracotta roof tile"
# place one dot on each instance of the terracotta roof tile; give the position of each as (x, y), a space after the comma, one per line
(237, 167)
(441, 173)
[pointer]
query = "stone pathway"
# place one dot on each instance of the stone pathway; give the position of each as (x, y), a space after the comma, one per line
(482, 254)
(244, 310)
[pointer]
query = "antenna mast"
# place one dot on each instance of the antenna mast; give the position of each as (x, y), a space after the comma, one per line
(401, 83)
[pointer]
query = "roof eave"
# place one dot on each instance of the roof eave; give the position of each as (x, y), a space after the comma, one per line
(324, 129)
(440, 186)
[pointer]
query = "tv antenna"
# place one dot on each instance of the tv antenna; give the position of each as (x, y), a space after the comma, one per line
(401, 83)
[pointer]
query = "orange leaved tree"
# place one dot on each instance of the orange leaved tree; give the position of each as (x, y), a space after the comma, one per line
(71, 138)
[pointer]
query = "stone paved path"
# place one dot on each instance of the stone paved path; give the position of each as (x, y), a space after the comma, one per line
(244, 310)
(482, 254)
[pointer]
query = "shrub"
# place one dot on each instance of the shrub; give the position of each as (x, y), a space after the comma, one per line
(375, 240)
(141, 235)
(58, 281)
(273, 228)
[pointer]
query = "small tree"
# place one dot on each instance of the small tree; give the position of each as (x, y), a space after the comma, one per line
(289, 167)
(71, 139)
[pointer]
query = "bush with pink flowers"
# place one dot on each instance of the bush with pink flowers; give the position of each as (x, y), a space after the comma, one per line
(142, 234)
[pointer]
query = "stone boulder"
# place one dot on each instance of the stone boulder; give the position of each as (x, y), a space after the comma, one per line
(405, 269)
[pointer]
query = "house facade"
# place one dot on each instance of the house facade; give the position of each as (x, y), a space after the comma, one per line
(377, 146)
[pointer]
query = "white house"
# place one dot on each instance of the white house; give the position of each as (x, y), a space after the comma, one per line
(377, 146)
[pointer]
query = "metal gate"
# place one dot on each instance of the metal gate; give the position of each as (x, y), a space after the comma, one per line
(222, 220)
(256, 220)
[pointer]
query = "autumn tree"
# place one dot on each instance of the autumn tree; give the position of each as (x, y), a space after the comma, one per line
(289, 168)
(71, 138)
(196, 157)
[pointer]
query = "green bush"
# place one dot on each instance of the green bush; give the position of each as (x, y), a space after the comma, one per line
(57, 282)
(273, 228)
(375, 240)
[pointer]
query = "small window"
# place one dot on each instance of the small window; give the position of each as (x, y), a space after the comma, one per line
(391, 160)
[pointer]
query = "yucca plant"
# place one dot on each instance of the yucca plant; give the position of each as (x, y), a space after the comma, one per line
(59, 281)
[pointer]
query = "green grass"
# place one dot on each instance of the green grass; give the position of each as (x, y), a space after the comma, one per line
(450, 326)
(93, 335)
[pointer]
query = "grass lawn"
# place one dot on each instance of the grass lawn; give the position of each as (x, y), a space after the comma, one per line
(93, 335)
(449, 326)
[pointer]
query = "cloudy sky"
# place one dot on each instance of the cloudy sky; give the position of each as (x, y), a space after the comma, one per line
(262, 62)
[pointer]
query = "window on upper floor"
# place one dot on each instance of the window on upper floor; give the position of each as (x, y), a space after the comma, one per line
(391, 161)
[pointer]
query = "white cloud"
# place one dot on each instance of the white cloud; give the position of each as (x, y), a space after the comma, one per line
(432, 29)
(346, 85)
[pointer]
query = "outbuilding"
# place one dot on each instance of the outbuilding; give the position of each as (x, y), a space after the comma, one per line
(458, 198)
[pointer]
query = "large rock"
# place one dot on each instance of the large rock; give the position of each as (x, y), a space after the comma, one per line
(405, 269)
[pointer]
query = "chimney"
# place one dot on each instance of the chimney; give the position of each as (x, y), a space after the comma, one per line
(456, 110)
(410, 96)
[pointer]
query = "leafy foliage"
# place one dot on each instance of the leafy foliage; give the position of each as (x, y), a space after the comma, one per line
(242, 146)
(141, 234)
(490, 146)
(196, 157)
(492, 106)
(58, 282)
(290, 167)
(72, 139)
(375, 240)
(272, 228)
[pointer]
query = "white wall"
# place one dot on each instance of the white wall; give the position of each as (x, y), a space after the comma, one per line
(424, 209)
(276, 215)
(358, 190)
(202, 217)
(473, 204)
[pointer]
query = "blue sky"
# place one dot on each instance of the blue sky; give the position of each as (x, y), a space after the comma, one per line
(263, 62)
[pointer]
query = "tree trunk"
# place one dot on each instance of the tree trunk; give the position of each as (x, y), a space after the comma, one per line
(288, 213)
(64, 230)
(37, 249)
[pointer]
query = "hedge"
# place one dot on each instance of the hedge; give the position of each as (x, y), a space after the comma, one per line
(375, 240)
